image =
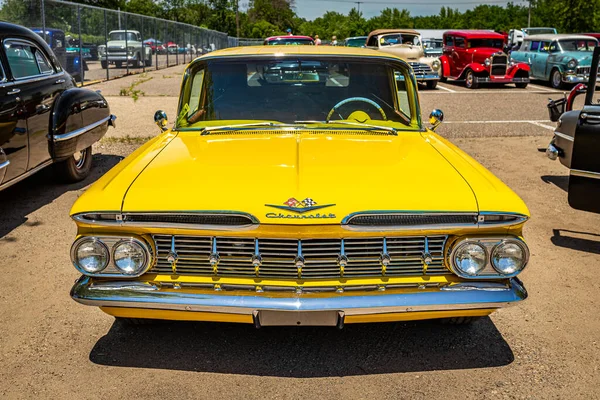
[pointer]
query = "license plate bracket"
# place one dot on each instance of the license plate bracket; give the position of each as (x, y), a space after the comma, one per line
(298, 318)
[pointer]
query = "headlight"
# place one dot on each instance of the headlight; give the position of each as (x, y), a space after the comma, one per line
(91, 256)
(129, 257)
(470, 258)
(509, 258)
(435, 65)
(487, 62)
(572, 64)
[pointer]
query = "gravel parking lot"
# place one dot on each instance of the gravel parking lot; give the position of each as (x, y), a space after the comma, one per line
(546, 347)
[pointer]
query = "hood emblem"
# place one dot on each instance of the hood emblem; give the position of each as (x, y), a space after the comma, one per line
(299, 207)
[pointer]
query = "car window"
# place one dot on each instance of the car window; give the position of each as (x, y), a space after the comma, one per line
(525, 46)
(372, 41)
(26, 60)
(554, 47)
(449, 41)
(544, 47)
(535, 46)
(459, 42)
(298, 89)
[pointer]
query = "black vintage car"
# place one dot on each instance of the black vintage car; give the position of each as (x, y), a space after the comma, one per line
(576, 142)
(44, 118)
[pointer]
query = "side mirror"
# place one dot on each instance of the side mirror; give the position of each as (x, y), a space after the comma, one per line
(160, 117)
(436, 118)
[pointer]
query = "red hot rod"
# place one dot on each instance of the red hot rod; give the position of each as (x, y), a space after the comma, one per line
(477, 57)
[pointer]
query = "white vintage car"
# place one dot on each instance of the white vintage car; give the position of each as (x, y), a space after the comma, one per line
(125, 47)
(408, 45)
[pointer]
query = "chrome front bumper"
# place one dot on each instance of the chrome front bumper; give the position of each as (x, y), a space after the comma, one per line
(500, 79)
(572, 78)
(146, 295)
(427, 77)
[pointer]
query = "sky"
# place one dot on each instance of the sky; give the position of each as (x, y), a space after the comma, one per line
(311, 9)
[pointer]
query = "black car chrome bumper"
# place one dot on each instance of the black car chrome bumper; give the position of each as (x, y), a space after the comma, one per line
(147, 295)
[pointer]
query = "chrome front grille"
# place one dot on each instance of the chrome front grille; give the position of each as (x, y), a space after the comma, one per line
(585, 70)
(304, 259)
(421, 69)
(499, 65)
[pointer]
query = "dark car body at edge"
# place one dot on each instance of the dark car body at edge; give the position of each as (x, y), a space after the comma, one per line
(44, 118)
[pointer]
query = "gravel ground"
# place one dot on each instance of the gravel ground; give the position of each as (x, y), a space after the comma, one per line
(546, 347)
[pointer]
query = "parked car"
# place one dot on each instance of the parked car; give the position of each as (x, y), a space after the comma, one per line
(576, 142)
(275, 205)
(433, 47)
(407, 44)
(288, 40)
(44, 118)
(156, 46)
(89, 51)
(357, 41)
(558, 59)
(69, 60)
(125, 47)
(516, 36)
(476, 57)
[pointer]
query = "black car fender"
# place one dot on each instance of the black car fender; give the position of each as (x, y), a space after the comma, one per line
(80, 117)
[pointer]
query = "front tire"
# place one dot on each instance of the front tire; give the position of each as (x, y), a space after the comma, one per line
(471, 80)
(431, 85)
(75, 168)
(556, 79)
(521, 85)
(119, 64)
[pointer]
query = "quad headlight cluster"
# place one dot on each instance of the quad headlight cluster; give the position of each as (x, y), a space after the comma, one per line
(481, 258)
(111, 256)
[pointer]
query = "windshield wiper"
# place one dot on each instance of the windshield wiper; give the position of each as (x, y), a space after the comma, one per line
(207, 130)
(363, 126)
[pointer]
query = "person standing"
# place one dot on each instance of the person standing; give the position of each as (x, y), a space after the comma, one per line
(289, 31)
(317, 40)
(334, 41)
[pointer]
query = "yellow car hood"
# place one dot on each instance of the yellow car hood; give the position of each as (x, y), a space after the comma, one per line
(299, 178)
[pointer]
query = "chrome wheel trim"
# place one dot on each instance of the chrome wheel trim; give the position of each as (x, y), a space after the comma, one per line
(556, 79)
(470, 79)
(80, 158)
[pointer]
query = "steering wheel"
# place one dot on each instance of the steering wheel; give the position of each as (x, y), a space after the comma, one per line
(354, 99)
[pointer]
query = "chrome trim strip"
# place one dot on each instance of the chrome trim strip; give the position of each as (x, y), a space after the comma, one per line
(25, 175)
(562, 135)
(80, 131)
(4, 164)
(353, 215)
(585, 174)
(476, 295)
(122, 220)
(520, 218)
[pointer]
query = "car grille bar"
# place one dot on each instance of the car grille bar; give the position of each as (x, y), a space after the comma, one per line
(499, 65)
(584, 70)
(300, 259)
(421, 69)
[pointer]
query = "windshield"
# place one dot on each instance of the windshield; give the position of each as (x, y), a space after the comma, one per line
(578, 45)
(399, 38)
(433, 44)
(290, 90)
(121, 36)
(289, 41)
(492, 43)
(539, 31)
(356, 42)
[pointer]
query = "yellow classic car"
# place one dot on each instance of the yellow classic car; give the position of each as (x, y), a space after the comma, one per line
(317, 198)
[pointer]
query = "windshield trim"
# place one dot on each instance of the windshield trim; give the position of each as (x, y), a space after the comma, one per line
(416, 123)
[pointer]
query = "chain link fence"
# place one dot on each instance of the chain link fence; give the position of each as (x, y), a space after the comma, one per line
(95, 44)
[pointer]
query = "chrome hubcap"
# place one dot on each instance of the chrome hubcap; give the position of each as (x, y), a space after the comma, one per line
(556, 79)
(469, 79)
(79, 158)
